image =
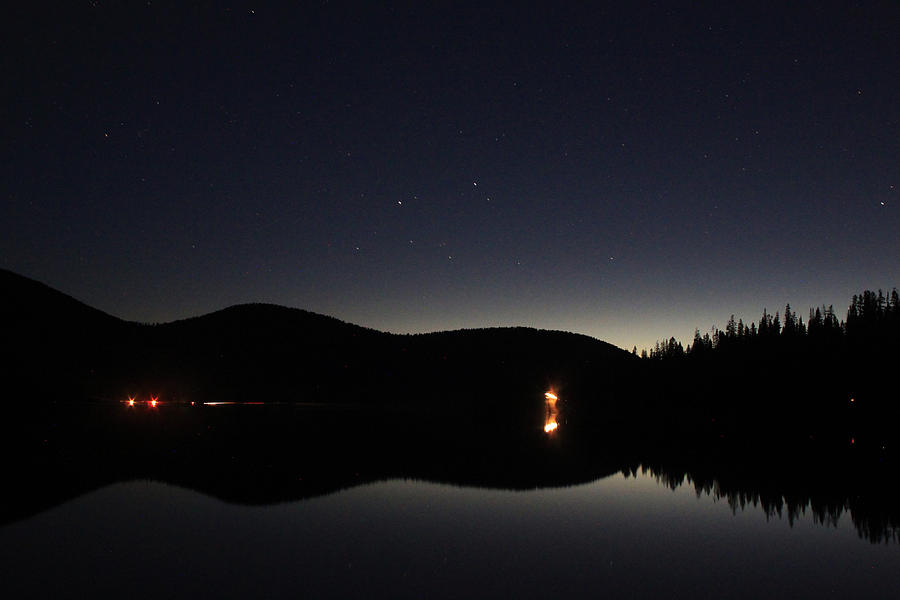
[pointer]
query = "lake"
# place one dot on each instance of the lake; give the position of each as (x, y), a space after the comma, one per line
(297, 500)
(619, 536)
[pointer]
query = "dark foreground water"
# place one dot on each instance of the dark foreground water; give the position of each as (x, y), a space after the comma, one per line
(619, 536)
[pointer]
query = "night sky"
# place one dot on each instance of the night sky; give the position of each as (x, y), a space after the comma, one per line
(628, 172)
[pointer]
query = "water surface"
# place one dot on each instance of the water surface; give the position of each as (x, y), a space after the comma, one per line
(616, 537)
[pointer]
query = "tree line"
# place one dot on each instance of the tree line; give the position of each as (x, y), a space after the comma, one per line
(814, 378)
(872, 322)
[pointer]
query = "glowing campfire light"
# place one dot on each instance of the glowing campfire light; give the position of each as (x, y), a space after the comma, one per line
(552, 412)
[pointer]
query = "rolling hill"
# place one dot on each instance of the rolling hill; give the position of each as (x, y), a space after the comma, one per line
(59, 347)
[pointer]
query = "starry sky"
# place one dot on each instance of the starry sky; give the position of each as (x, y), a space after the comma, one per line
(631, 171)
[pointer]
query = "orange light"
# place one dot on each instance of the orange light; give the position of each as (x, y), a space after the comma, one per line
(154, 400)
(130, 401)
(552, 412)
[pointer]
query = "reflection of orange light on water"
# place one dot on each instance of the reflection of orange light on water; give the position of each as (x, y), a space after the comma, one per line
(550, 426)
(551, 396)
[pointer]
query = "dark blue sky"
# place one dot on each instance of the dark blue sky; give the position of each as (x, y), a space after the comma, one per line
(629, 172)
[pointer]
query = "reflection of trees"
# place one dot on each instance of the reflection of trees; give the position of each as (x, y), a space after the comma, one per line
(874, 515)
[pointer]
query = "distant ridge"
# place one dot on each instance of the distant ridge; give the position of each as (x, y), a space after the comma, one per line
(29, 299)
(56, 343)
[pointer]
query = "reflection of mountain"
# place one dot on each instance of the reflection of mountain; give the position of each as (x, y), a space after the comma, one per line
(265, 455)
(55, 344)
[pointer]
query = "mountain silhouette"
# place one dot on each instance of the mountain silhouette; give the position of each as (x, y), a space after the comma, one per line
(59, 347)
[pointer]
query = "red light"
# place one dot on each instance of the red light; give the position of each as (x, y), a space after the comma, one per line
(153, 401)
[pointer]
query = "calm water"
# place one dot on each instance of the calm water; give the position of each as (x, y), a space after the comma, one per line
(617, 537)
